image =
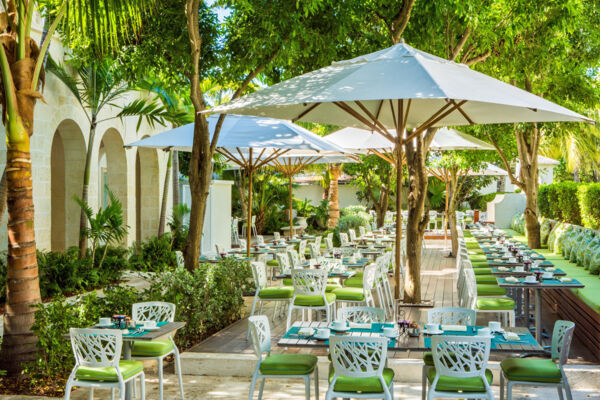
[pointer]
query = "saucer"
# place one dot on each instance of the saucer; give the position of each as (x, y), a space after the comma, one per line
(105, 325)
(530, 282)
(152, 329)
(436, 332)
(344, 329)
(392, 336)
(319, 337)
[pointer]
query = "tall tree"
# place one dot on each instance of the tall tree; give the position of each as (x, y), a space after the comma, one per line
(22, 72)
(96, 86)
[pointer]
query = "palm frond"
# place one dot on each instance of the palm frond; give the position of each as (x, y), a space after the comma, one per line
(150, 110)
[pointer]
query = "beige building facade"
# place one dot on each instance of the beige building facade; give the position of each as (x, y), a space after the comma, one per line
(58, 151)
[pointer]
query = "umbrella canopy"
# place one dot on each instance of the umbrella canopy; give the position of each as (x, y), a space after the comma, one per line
(250, 142)
(398, 72)
(489, 170)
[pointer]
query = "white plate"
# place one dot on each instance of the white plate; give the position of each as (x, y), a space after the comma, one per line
(344, 329)
(319, 337)
(392, 336)
(531, 283)
(104, 325)
(428, 332)
(152, 329)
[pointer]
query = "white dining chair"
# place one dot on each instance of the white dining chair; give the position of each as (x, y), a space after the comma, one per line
(310, 294)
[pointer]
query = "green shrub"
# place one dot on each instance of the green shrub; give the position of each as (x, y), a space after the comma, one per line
(154, 255)
(594, 261)
(354, 209)
(589, 204)
(545, 229)
(479, 202)
(567, 202)
(543, 201)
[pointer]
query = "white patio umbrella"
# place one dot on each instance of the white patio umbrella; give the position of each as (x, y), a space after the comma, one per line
(398, 88)
(291, 164)
(250, 142)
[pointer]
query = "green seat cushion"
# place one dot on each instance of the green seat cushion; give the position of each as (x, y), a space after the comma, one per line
(354, 281)
(482, 271)
(276, 292)
(332, 286)
(288, 364)
(152, 348)
(490, 290)
(428, 358)
(472, 245)
(485, 279)
(287, 282)
(349, 294)
(272, 263)
(313, 301)
(480, 258)
(109, 374)
(361, 385)
(531, 370)
(480, 264)
(452, 384)
(495, 303)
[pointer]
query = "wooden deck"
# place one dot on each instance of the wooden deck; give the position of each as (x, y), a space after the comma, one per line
(438, 280)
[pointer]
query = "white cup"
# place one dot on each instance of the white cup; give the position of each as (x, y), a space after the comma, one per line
(530, 278)
(339, 324)
(323, 332)
(484, 332)
(520, 268)
(432, 327)
(547, 275)
(387, 331)
(150, 324)
(105, 321)
(494, 326)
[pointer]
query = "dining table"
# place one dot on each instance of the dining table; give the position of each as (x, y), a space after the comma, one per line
(163, 328)
(404, 342)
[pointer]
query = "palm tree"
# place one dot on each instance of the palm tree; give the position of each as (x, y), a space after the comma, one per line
(96, 87)
(22, 72)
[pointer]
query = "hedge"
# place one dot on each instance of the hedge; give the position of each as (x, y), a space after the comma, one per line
(571, 202)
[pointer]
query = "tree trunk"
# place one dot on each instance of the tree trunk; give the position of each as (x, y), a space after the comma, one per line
(175, 169)
(3, 195)
(528, 144)
(22, 286)
(380, 216)
(531, 213)
(453, 230)
(84, 192)
(334, 200)
(163, 205)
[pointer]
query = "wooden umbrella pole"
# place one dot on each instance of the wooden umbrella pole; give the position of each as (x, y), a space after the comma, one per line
(398, 271)
(249, 221)
(291, 194)
(446, 213)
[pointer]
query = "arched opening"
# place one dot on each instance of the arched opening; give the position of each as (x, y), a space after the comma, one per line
(67, 162)
(112, 171)
(146, 193)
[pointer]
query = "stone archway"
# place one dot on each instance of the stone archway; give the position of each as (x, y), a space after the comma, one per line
(67, 162)
(112, 171)
(147, 193)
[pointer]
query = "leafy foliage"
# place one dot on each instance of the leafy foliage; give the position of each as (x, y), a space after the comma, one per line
(154, 255)
(571, 202)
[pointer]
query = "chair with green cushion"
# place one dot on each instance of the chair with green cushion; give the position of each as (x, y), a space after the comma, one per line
(490, 290)
(282, 366)
(359, 368)
(460, 368)
(363, 295)
(361, 314)
(97, 365)
(444, 316)
(541, 372)
(285, 266)
(504, 306)
(158, 350)
(310, 293)
(267, 293)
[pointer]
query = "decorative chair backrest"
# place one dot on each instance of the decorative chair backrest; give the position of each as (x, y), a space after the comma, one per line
(328, 265)
(360, 314)
(96, 347)
(328, 244)
(344, 239)
(309, 282)
(262, 257)
(260, 240)
(276, 236)
(318, 240)
(243, 243)
(357, 356)
(369, 276)
(330, 235)
(294, 259)
(179, 258)
(561, 340)
(315, 251)
(433, 214)
(234, 224)
(451, 316)
(261, 335)
(362, 230)
(220, 249)
(259, 272)
(253, 219)
(302, 249)
(284, 263)
(461, 356)
(352, 234)
(153, 311)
